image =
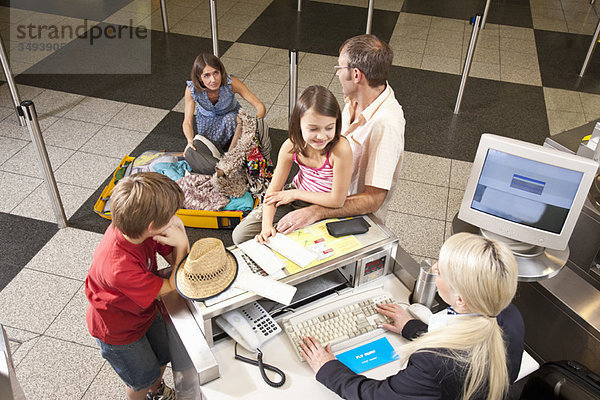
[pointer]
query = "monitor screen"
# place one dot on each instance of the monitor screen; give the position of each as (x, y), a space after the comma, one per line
(526, 192)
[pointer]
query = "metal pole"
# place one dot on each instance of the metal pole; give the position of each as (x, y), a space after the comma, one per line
(213, 27)
(14, 93)
(474, 34)
(299, 5)
(163, 12)
(33, 125)
(590, 50)
(370, 16)
(293, 81)
(485, 13)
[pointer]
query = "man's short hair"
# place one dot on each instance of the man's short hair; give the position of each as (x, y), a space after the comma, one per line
(140, 199)
(370, 55)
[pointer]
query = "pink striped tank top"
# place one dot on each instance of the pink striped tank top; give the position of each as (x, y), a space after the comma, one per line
(314, 179)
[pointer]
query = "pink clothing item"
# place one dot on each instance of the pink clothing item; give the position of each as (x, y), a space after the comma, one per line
(314, 179)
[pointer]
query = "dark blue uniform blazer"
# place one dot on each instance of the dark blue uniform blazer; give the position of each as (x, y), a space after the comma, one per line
(427, 375)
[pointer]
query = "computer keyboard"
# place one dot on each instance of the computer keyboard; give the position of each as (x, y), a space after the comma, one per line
(343, 321)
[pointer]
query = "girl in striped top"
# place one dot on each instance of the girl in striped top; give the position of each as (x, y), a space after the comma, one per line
(324, 158)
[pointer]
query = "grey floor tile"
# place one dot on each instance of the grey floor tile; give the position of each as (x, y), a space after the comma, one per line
(245, 51)
(454, 199)
(265, 91)
(14, 188)
(517, 32)
(70, 133)
(98, 111)
(417, 235)
(284, 96)
(9, 147)
(487, 39)
(560, 121)
(410, 31)
(25, 162)
(399, 45)
(106, 384)
(51, 363)
(25, 93)
(446, 36)
(269, 73)
(517, 45)
(52, 102)
(279, 57)
(459, 174)
(457, 25)
(6, 111)
(9, 127)
(186, 27)
(25, 341)
(448, 231)
(113, 142)
(238, 67)
(550, 24)
(563, 100)
(425, 168)
(485, 70)
(307, 78)
(180, 107)
(441, 49)
(86, 170)
(487, 55)
(336, 87)
(38, 205)
(71, 325)
(317, 62)
(419, 199)
(68, 253)
(591, 105)
(138, 118)
(408, 59)
(527, 76)
(518, 60)
(441, 64)
(38, 305)
(277, 117)
(414, 19)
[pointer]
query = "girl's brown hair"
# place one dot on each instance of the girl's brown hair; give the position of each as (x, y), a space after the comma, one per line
(323, 102)
(200, 63)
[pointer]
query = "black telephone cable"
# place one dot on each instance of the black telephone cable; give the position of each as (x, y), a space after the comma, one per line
(262, 367)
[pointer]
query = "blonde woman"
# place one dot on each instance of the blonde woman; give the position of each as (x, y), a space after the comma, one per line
(473, 353)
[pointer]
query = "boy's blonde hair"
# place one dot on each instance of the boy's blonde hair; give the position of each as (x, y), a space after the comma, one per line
(140, 199)
(484, 273)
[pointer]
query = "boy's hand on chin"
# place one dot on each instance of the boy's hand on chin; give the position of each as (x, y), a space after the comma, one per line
(173, 235)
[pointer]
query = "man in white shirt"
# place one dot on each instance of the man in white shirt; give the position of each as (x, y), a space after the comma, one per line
(373, 122)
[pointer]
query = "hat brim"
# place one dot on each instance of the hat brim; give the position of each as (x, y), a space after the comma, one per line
(198, 291)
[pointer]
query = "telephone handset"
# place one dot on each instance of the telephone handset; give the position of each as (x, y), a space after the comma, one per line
(250, 326)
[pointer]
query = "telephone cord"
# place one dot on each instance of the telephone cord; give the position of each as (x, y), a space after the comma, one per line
(262, 367)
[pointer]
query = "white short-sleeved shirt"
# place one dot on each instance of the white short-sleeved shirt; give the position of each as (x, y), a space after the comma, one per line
(377, 140)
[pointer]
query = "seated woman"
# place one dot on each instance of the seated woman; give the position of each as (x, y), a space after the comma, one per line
(463, 357)
(211, 94)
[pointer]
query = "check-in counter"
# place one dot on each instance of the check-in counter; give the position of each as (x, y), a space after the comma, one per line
(201, 354)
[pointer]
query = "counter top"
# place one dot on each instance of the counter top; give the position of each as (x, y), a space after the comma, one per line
(242, 380)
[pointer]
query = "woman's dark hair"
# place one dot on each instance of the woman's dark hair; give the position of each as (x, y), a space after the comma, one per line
(202, 61)
(324, 103)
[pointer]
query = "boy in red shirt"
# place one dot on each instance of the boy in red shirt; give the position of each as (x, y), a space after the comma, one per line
(123, 284)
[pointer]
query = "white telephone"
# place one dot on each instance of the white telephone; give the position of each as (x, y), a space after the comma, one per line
(250, 326)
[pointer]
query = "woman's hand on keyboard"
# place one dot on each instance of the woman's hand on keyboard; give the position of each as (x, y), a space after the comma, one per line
(397, 313)
(315, 354)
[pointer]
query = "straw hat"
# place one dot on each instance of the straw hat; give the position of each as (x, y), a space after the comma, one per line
(208, 270)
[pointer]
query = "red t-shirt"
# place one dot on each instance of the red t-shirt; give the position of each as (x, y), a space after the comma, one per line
(121, 287)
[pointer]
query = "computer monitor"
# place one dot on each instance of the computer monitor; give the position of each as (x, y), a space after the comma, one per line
(527, 194)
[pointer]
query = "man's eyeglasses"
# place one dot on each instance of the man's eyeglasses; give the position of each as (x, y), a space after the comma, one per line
(338, 67)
